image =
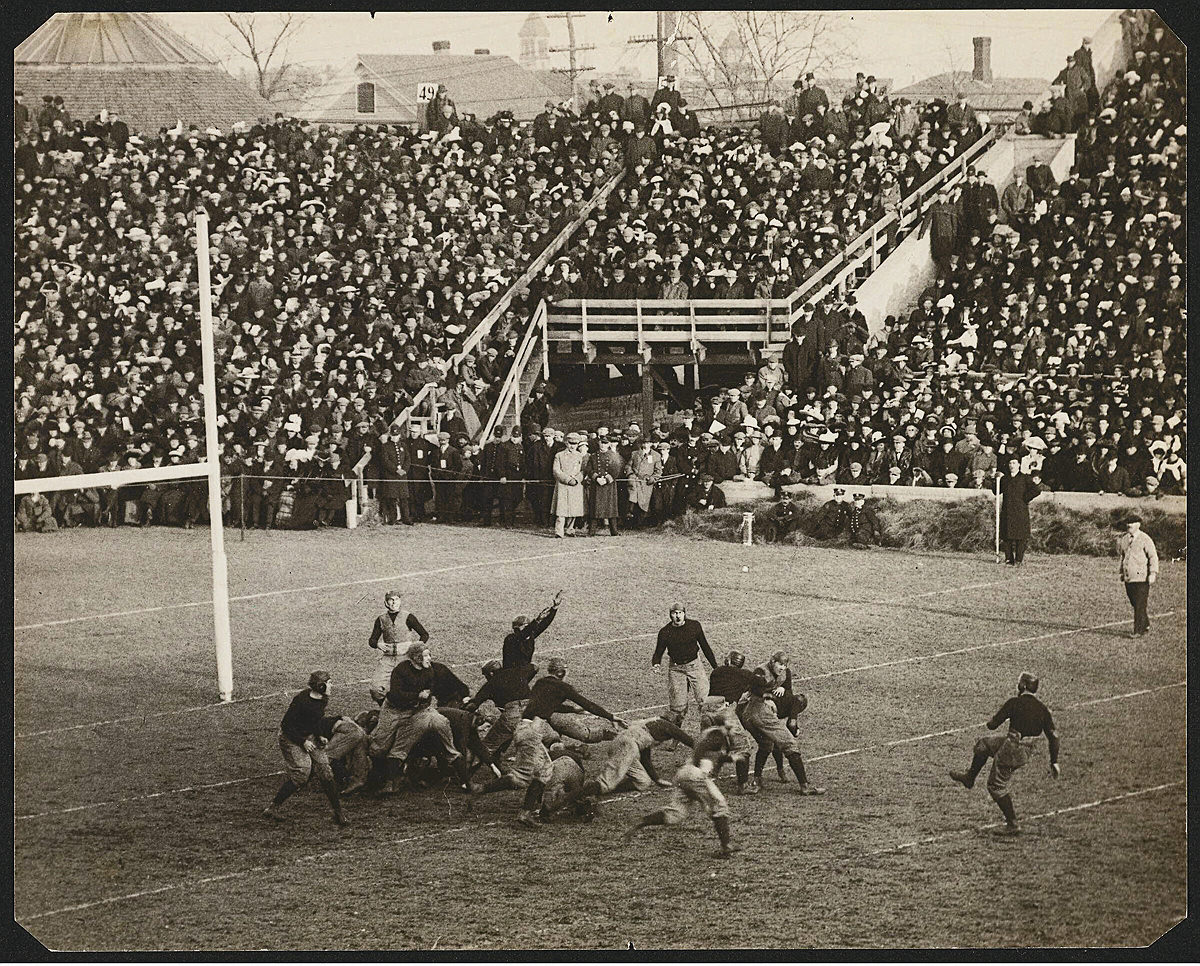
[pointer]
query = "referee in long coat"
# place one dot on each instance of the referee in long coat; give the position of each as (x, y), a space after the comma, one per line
(1017, 490)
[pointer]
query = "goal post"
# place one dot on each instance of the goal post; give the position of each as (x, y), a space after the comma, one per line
(216, 528)
(209, 467)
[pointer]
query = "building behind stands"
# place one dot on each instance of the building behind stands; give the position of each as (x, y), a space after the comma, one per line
(394, 88)
(136, 65)
(1001, 98)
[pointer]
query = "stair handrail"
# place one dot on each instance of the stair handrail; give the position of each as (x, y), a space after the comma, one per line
(512, 382)
(488, 321)
(872, 233)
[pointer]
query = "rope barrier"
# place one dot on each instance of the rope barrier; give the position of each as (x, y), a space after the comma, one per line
(459, 478)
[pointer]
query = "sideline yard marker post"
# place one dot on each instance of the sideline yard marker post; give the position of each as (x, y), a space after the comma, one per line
(997, 518)
(216, 526)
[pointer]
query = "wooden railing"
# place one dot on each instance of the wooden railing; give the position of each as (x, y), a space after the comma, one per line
(486, 324)
(752, 321)
(427, 395)
(658, 322)
(872, 241)
(510, 392)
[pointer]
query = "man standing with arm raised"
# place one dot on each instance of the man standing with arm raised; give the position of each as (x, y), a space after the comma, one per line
(682, 640)
(518, 645)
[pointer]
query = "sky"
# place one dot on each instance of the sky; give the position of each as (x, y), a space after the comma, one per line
(905, 45)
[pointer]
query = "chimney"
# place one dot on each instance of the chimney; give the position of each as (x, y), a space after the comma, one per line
(983, 60)
(441, 46)
(482, 52)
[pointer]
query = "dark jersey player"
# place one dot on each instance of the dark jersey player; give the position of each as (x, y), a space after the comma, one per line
(303, 734)
(1027, 719)
(518, 646)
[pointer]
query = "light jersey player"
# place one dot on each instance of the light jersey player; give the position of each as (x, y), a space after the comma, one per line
(629, 758)
(694, 784)
(395, 629)
(565, 780)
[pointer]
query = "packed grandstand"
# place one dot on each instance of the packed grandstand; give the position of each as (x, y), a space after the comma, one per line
(350, 266)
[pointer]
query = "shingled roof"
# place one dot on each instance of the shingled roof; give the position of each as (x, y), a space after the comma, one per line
(1003, 94)
(481, 84)
(134, 64)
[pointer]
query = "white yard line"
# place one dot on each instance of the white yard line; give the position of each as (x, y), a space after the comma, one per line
(454, 830)
(945, 836)
(975, 647)
(615, 640)
(316, 587)
(372, 847)
(823, 606)
(836, 754)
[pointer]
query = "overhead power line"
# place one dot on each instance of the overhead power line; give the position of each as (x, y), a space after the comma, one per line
(574, 70)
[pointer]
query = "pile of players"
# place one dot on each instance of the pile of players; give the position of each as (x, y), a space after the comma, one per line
(534, 733)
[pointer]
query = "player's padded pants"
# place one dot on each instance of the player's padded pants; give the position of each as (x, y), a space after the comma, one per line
(1008, 753)
(694, 786)
(505, 726)
(397, 732)
(531, 758)
(624, 761)
(300, 764)
(350, 742)
(587, 728)
(762, 720)
(682, 680)
(566, 778)
(381, 680)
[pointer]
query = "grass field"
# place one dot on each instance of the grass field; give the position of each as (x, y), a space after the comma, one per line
(138, 797)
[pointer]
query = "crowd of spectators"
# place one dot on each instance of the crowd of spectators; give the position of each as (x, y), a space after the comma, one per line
(347, 268)
(750, 213)
(349, 265)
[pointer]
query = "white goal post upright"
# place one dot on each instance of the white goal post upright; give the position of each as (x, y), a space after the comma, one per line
(216, 526)
(210, 468)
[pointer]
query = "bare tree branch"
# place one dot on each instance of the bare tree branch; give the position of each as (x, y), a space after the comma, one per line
(752, 55)
(269, 57)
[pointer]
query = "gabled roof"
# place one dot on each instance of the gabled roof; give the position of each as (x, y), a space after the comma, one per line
(134, 64)
(954, 82)
(480, 84)
(1004, 93)
(107, 38)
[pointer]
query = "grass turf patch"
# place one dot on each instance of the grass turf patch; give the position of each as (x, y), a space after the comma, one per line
(966, 527)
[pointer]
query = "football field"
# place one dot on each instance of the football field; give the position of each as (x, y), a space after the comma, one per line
(138, 796)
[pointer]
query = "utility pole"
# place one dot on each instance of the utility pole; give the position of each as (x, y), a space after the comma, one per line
(664, 39)
(574, 70)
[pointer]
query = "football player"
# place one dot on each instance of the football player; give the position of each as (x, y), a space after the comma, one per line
(694, 785)
(629, 758)
(1027, 719)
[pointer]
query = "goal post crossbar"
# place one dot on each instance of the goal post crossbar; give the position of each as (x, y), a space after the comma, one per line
(85, 481)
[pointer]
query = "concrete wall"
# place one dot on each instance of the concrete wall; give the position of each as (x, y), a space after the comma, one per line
(741, 493)
(1109, 55)
(895, 286)
(1059, 153)
(897, 283)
